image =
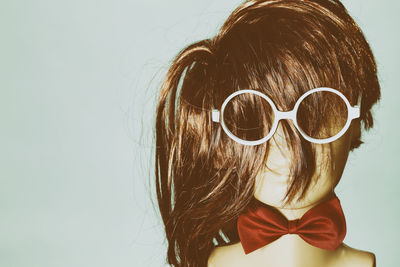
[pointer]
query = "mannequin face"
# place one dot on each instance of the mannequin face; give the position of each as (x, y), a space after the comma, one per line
(272, 182)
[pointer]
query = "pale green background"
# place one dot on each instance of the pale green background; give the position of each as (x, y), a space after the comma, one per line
(78, 81)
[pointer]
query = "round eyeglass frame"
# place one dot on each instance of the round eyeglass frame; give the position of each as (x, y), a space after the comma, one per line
(352, 113)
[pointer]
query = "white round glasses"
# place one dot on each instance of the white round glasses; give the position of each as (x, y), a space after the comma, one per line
(352, 113)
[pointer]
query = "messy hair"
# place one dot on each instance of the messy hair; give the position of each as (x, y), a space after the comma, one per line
(282, 48)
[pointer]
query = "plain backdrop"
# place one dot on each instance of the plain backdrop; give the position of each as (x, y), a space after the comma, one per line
(78, 87)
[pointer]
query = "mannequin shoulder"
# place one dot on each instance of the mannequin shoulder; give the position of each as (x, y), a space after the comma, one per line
(345, 256)
(227, 256)
(349, 256)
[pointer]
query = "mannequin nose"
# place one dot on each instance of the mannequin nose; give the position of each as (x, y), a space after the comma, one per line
(279, 138)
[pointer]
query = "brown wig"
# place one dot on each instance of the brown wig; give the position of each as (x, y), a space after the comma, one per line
(282, 48)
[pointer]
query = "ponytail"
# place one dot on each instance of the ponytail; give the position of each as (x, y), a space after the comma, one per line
(182, 137)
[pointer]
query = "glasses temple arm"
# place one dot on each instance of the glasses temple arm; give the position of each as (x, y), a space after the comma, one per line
(356, 108)
(215, 115)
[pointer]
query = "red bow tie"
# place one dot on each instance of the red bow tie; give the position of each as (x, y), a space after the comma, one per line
(322, 226)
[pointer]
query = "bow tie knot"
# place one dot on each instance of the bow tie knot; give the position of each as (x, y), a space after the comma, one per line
(292, 226)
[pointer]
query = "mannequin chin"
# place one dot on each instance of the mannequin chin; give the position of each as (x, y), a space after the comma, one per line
(272, 182)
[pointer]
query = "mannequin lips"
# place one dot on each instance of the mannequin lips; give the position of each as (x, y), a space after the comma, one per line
(280, 168)
(277, 176)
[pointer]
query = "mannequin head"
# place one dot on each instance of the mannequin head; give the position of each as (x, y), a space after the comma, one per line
(282, 48)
